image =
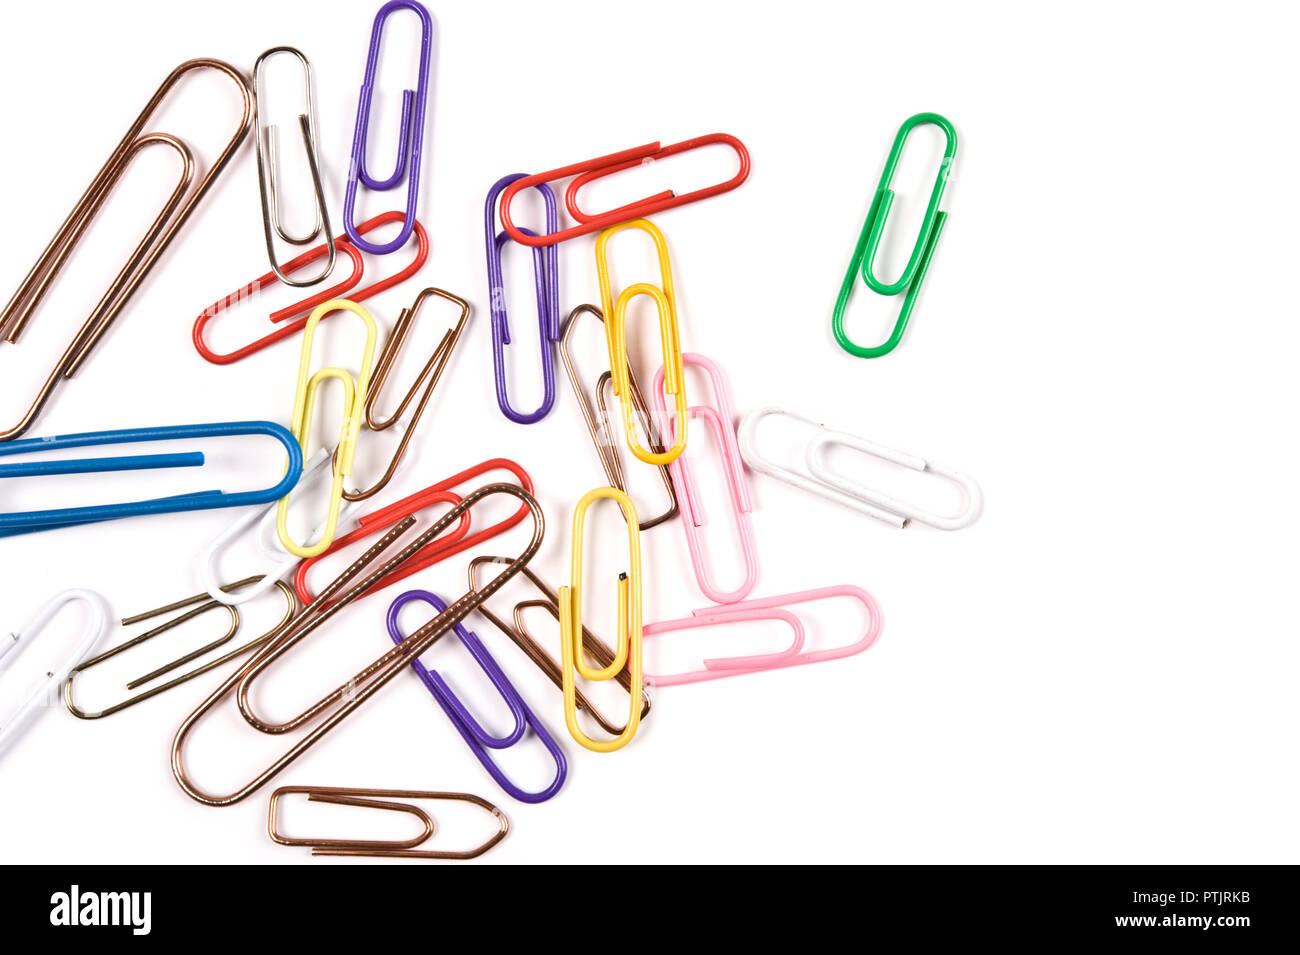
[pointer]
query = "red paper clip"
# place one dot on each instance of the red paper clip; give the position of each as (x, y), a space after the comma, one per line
(302, 310)
(437, 550)
(592, 169)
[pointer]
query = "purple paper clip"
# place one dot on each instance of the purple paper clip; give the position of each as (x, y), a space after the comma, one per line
(476, 737)
(410, 141)
(720, 420)
(546, 275)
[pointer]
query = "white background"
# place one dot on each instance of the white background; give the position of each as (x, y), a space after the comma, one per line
(1101, 669)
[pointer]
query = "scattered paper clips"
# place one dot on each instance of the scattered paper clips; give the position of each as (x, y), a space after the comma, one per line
(593, 647)
(341, 702)
(864, 254)
(819, 479)
(354, 403)
(293, 318)
(177, 210)
(602, 434)
(199, 604)
(480, 740)
(383, 799)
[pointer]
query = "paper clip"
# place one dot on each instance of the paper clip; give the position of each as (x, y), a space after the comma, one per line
(864, 254)
(268, 162)
(383, 799)
(822, 481)
(546, 276)
(164, 228)
(341, 702)
(300, 311)
(628, 649)
(354, 401)
(437, 550)
(592, 169)
(267, 543)
(433, 369)
(26, 522)
(592, 645)
(204, 604)
(616, 335)
(479, 740)
(410, 142)
(601, 432)
(721, 420)
(767, 608)
(14, 721)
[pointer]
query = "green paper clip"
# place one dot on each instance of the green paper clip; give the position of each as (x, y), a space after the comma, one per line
(864, 255)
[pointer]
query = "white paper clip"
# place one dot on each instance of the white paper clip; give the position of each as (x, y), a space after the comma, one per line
(822, 481)
(12, 721)
(281, 562)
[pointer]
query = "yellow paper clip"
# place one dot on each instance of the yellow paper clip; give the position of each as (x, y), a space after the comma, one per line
(354, 401)
(628, 652)
(615, 319)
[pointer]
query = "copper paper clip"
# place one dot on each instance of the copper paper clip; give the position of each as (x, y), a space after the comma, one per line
(433, 369)
(382, 799)
(166, 225)
(342, 701)
(602, 434)
(204, 604)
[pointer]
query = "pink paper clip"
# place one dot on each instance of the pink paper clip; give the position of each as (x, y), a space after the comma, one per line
(720, 420)
(766, 608)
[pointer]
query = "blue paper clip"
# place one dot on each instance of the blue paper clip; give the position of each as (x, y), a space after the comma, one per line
(546, 275)
(27, 522)
(478, 739)
(410, 139)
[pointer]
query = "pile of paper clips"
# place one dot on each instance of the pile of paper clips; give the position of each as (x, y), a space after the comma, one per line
(395, 551)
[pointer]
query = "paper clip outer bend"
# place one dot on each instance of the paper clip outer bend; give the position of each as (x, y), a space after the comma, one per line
(601, 432)
(432, 370)
(296, 315)
(340, 703)
(384, 799)
(615, 311)
(864, 253)
(592, 645)
(18, 312)
(25, 522)
(15, 720)
(268, 175)
(437, 550)
(410, 142)
(767, 608)
(546, 277)
(304, 401)
(823, 482)
(628, 649)
(200, 604)
(479, 740)
(585, 172)
(721, 421)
